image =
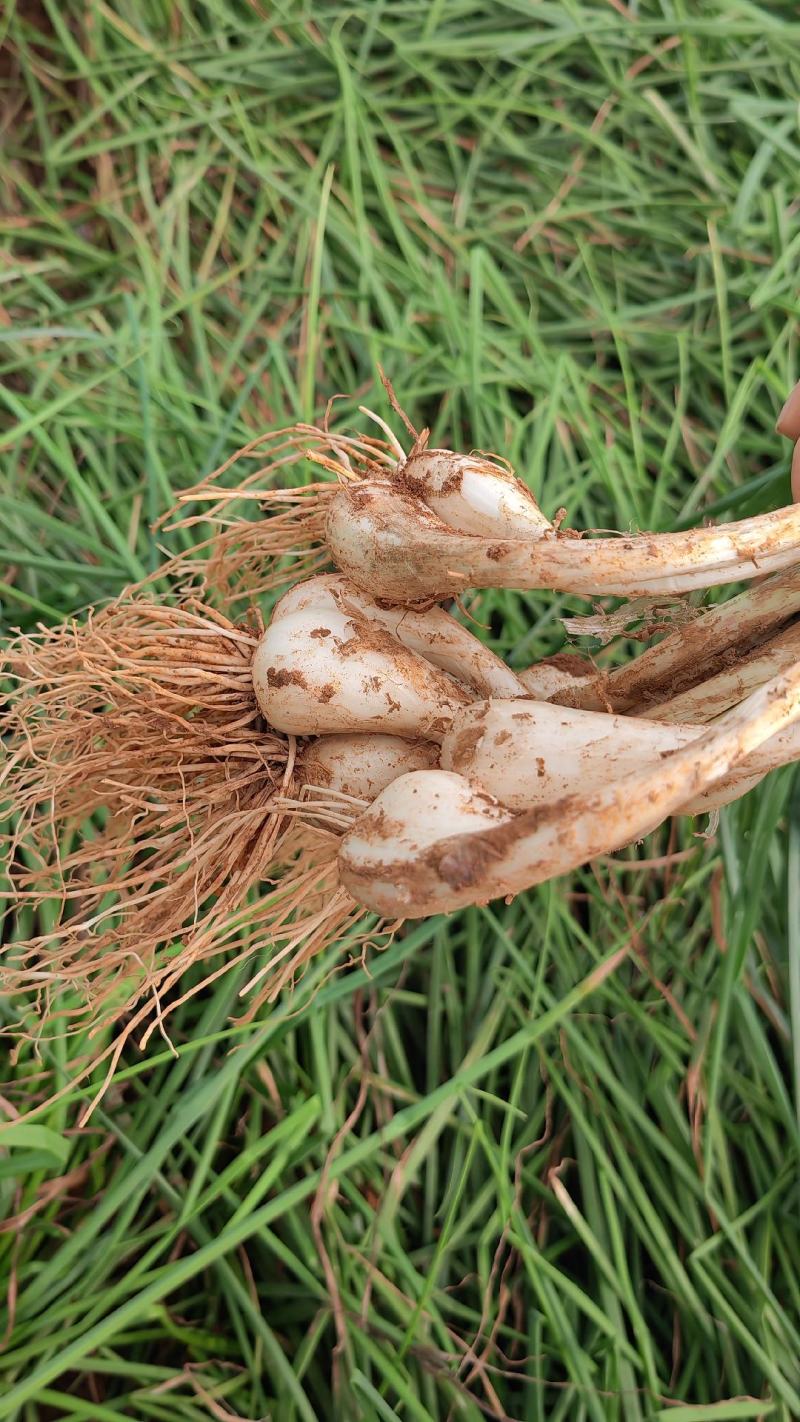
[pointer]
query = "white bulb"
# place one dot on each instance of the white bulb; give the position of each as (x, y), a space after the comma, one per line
(363, 765)
(432, 633)
(473, 495)
(526, 753)
(382, 859)
(318, 672)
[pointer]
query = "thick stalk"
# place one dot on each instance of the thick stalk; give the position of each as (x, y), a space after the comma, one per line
(389, 543)
(709, 698)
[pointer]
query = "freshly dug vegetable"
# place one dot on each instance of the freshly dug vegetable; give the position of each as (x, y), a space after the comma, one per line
(391, 543)
(527, 753)
(421, 849)
(316, 672)
(333, 661)
(146, 716)
(412, 529)
(185, 785)
(140, 734)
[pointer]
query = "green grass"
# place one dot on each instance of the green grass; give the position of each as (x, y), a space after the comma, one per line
(537, 1161)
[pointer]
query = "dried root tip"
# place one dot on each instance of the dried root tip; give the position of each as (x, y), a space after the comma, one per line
(244, 559)
(138, 737)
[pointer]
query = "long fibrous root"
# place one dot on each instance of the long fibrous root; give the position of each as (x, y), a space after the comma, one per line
(149, 799)
(261, 535)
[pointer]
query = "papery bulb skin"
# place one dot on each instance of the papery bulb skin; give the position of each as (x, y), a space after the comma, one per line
(557, 674)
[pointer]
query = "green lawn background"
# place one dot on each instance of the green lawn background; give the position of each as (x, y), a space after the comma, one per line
(538, 1161)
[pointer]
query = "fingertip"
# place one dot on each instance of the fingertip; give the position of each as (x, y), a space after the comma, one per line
(796, 473)
(788, 422)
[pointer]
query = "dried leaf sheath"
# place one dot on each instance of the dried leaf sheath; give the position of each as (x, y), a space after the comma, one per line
(145, 717)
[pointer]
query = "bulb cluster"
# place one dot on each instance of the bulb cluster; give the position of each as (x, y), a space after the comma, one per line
(483, 782)
(365, 750)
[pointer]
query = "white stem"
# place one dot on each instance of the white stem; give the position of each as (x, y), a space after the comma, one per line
(780, 750)
(695, 650)
(391, 544)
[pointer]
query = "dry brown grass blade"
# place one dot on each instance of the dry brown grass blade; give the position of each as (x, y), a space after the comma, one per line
(137, 736)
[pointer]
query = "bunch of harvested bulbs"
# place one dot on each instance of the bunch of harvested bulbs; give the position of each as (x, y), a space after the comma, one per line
(183, 782)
